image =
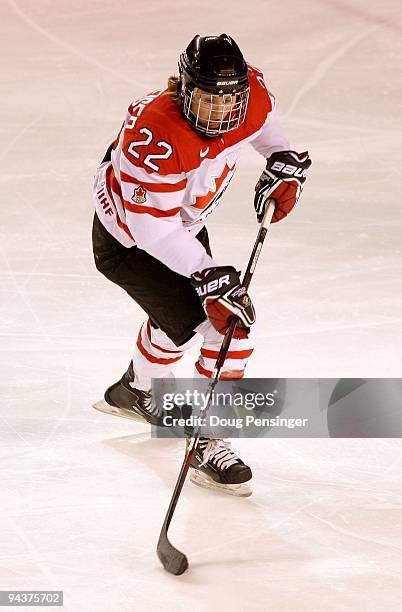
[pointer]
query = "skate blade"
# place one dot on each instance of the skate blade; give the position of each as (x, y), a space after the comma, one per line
(103, 406)
(238, 490)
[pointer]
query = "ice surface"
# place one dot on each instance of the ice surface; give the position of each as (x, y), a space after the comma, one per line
(83, 495)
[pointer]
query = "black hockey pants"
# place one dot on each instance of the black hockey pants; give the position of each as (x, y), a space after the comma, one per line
(168, 298)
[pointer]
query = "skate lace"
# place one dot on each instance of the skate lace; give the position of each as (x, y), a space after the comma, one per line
(146, 398)
(220, 454)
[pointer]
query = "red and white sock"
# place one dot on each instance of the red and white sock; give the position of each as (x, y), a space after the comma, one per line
(239, 353)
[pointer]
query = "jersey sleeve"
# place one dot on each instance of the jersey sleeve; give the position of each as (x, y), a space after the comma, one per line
(152, 188)
(272, 137)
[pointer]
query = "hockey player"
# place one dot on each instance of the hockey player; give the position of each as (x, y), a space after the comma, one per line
(172, 160)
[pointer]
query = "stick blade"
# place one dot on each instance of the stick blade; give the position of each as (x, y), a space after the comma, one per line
(174, 561)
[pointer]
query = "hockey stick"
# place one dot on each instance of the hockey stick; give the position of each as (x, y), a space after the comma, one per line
(174, 561)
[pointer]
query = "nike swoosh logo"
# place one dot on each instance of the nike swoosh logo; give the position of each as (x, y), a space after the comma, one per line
(204, 153)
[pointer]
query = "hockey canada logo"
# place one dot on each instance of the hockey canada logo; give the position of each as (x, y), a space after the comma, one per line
(140, 195)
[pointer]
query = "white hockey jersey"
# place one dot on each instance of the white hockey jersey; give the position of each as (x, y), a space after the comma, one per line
(165, 178)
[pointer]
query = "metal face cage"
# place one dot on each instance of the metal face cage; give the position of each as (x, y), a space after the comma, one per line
(214, 114)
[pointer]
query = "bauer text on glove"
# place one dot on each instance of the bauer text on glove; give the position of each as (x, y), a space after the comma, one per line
(223, 297)
(281, 181)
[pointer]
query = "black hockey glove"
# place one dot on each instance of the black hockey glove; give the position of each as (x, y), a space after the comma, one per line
(223, 297)
(282, 181)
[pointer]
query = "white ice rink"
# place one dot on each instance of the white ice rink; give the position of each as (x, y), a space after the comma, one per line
(83, 494)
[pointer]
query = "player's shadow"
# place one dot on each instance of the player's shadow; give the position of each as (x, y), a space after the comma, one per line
(261, 550)
(278, 551)
(163, 456)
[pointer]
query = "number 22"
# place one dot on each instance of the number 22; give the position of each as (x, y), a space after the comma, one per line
(146, 142)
